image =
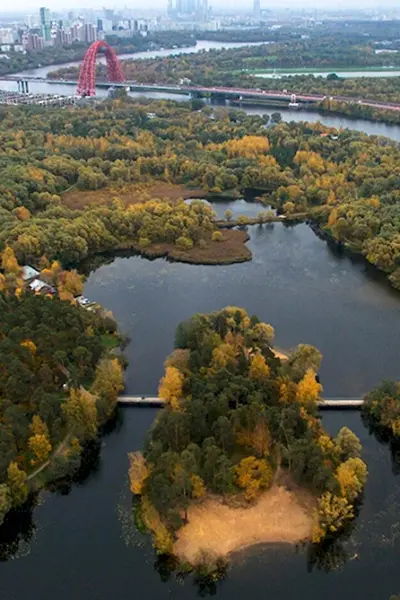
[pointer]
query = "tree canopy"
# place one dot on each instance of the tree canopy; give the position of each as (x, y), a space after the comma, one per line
(234, 416)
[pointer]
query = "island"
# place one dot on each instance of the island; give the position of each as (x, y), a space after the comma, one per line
(239, 456)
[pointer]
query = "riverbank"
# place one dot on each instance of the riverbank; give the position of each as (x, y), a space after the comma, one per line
(280, 515)
(327, 70)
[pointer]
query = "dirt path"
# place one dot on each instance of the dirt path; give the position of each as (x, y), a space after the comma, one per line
(59, 450)
(280, 515)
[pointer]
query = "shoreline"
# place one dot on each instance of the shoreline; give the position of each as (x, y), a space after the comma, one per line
(282, 514)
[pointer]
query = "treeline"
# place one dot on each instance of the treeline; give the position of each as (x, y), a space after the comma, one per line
(57, 385)
(54, 55)
(234, 416)
(230, 66)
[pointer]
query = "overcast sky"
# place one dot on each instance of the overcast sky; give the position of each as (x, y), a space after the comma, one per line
(29, 6)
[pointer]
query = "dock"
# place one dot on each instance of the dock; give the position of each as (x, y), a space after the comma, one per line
(323, 404)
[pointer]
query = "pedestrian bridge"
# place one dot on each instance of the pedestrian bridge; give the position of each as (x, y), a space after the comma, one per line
(323, 404)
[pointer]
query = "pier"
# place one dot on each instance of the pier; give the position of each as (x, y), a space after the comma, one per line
(323, 404)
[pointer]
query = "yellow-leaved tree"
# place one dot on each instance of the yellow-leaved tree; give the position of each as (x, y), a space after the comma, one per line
(162, 539)
(138, 471)
(108, 383)
(29, 345)
(259, 370)
(330, 516)
(198, 487)
(351, 475)
(170, 388)
(38, 426)
(17, 484)
(308, 388)
(252, 475)
(9, 263)
(81, 413)
(39, 445)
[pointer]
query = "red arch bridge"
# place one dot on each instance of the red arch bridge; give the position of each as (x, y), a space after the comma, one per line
(87, 74)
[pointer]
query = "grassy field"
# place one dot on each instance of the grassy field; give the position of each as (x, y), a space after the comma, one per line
(133, 193)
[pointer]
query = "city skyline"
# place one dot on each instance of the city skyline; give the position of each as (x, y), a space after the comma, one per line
(232, 5)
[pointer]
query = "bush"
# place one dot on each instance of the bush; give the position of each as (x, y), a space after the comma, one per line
(184, 243)
(217, 236)
(144, 242)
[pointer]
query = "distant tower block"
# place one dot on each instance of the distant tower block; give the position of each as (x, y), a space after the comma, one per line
(256, 9)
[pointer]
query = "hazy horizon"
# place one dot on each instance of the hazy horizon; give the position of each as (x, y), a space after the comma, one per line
(26, 6)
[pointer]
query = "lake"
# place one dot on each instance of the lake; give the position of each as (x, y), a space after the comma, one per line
(80, 542)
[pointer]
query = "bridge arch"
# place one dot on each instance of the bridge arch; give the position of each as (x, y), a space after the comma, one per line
(87, 74)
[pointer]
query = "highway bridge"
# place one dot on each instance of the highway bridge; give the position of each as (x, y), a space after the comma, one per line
(236, 94)
(327, 403)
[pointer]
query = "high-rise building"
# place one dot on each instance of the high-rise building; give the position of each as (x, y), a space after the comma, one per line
(90, 33)
(45, 22)
(256, 9)
(32, 41)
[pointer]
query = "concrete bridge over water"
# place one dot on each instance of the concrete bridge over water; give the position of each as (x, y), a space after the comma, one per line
(323, 404)
(292, 98)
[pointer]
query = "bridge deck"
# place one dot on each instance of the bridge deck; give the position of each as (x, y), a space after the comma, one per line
(333, 403)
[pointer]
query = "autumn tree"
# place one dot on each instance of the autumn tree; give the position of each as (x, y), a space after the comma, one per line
(170, 388)
(107, 385)
(252, 475)
(348, 443)
(259, 369)
(138, 471)
(40, 446)
(330, 516)
(198, 487)
(9, 263)
(308, 388)
(81, 414)
(303, 358)
(17, 484)
(162, 539)
(5, 501)
(351, 476)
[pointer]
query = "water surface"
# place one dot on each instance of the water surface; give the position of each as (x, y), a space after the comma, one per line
(309, 292)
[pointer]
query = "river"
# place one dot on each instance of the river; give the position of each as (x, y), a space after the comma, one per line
(370, 127)
(79, 542)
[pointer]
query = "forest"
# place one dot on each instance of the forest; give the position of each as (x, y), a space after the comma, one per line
(235, 416)
(345, 181)
(58, 384)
